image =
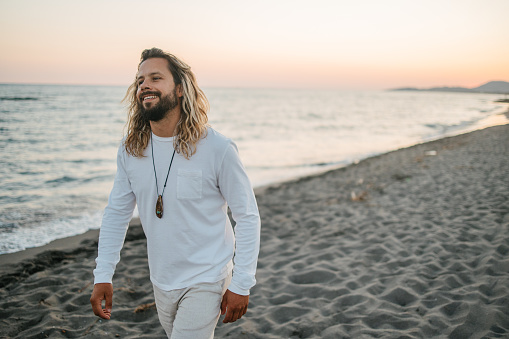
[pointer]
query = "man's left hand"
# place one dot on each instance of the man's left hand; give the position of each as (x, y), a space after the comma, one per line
(234, 305)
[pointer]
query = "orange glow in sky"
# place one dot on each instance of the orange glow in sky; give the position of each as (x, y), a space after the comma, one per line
(367, 44)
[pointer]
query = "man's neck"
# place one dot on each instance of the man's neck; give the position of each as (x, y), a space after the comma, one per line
(166, 127)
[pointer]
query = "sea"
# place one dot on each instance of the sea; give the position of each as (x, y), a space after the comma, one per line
(58, 143)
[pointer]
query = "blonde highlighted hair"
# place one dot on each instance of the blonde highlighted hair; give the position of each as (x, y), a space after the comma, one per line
(192, 125)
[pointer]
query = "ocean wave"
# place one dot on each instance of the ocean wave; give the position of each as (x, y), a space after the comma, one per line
(16, 239)
(18, 98)
(61, 180)
(296, 166)
(99, 178)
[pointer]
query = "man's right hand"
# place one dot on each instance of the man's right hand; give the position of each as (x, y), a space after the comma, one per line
(103, 291)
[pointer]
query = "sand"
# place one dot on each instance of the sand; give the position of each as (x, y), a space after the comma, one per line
(409, 244)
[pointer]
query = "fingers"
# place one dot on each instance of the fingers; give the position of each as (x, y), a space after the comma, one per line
(109, 302)
(232, 316)
(102, 292)
(96, 307)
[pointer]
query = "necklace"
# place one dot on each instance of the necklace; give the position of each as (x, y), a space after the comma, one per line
(159, 204)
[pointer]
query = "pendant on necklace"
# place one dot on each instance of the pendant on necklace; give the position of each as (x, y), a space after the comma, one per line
(159, 207)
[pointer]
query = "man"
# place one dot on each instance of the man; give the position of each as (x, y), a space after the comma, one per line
(182, 174)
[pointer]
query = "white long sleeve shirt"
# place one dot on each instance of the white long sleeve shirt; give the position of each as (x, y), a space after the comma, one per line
(194, 241)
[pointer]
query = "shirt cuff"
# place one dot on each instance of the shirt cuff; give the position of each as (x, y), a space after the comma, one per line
(101, 277)
(237, 290)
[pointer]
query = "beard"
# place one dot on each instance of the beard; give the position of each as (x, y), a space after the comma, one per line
(160, 109)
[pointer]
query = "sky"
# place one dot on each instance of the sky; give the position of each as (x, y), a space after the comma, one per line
(363, 44)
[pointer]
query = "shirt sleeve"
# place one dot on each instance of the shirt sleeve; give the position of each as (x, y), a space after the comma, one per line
(238, 192)
(115, 222)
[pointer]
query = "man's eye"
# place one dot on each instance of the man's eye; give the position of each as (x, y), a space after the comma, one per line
(157, 78)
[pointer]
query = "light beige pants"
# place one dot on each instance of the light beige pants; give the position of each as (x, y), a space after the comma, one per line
(191, 313)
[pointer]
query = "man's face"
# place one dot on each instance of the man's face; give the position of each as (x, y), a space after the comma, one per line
(157, 93)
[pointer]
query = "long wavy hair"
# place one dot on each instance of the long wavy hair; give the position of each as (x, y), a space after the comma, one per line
(192, 125)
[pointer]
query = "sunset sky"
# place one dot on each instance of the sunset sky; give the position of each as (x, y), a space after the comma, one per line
(365, 44)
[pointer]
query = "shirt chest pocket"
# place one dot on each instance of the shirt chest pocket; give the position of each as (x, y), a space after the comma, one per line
(189, 184)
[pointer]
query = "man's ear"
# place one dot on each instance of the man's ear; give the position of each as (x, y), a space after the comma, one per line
(180, 93)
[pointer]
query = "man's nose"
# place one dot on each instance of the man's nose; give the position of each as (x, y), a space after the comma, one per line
(144, 85)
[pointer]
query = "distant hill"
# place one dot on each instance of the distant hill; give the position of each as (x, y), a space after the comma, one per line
(494, 87)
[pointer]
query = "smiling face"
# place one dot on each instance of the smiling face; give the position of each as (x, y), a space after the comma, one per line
(156, 91)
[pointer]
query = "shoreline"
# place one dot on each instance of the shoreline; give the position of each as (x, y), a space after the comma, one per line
(410, 243)
(499, 117)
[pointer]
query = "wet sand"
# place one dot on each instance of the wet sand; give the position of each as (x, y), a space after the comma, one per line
(410, 244)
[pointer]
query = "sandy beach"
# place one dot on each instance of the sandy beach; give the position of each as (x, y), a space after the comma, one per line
(410, 244)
